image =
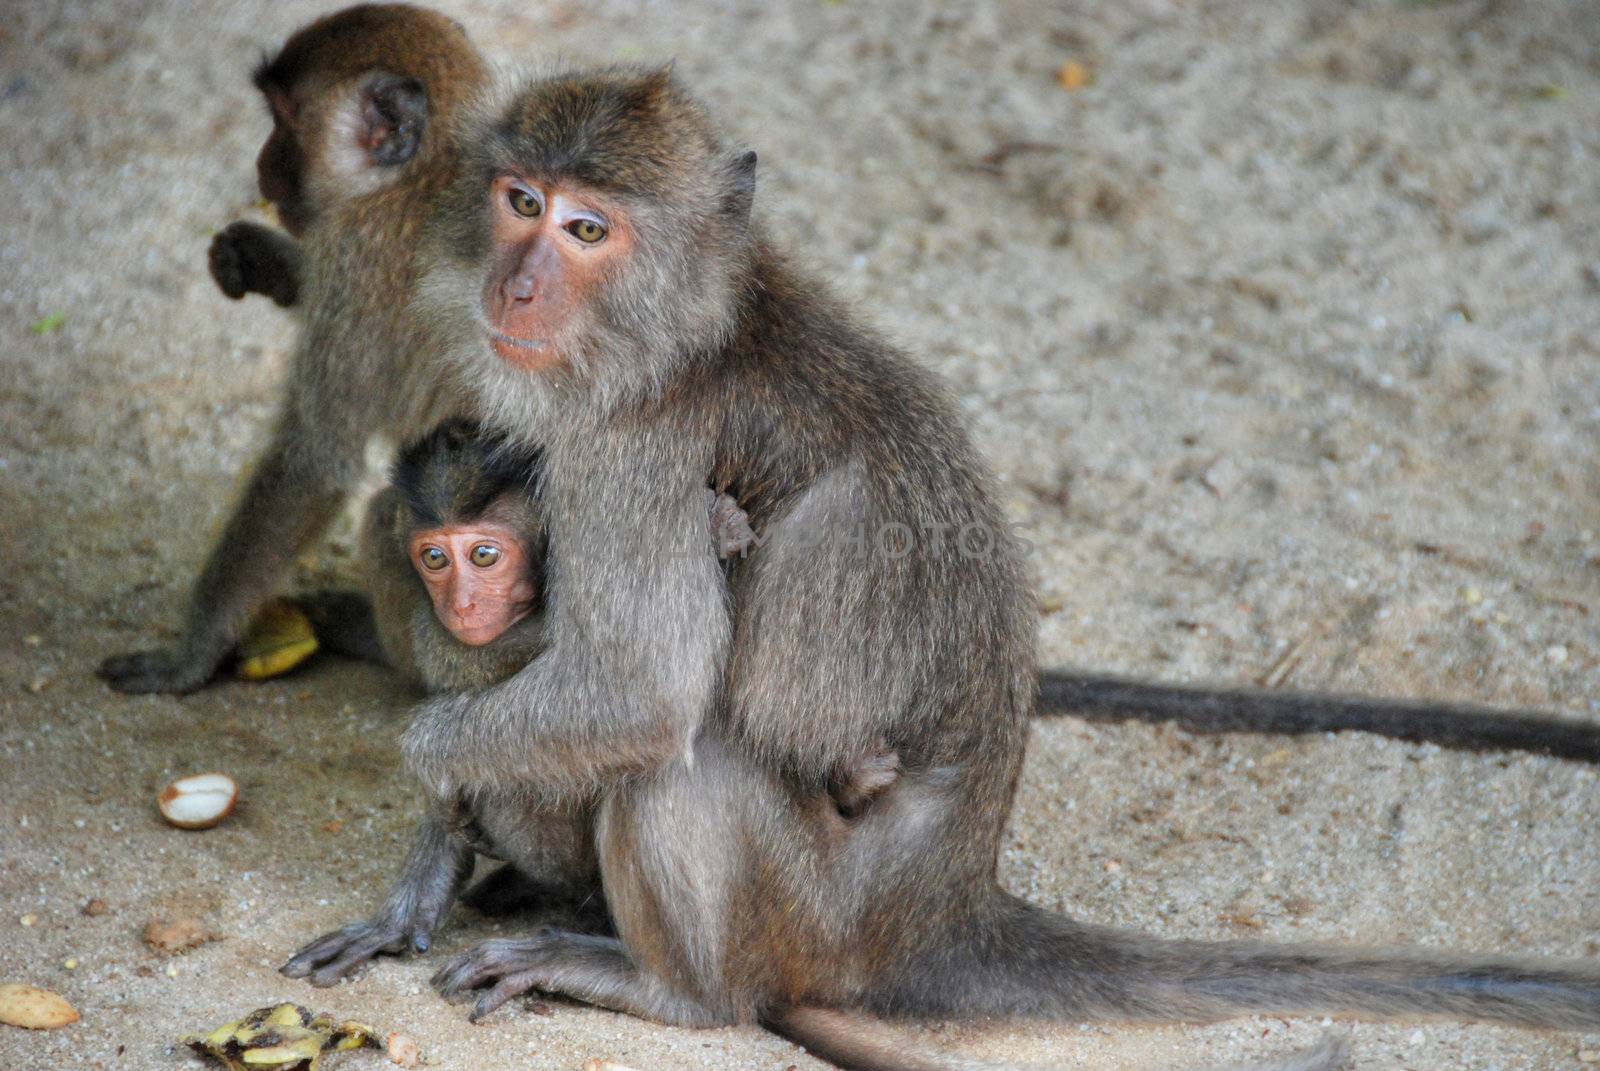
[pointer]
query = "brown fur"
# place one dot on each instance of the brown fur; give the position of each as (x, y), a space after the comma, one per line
(351, 95)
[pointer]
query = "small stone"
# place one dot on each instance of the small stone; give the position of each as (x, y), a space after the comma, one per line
(70, 963)
(172, 970)
(38, 684)
(1072, 75)
(1471, 596)
(1589, 1056)
(403, 1051)
(1556, 653)
(33, 639)
(28, 919)
(95, 908)
(172, 936)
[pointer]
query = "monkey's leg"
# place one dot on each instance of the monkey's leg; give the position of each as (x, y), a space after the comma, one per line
(285, 505)
(247, 258)
(587, 967)
(435, 868)
(551, 864)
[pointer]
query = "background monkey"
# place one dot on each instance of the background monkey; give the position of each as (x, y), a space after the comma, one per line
(247, 258)
(359, 102)
(607, 295)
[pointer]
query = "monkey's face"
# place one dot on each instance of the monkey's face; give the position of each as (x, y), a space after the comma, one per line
(480, 576)
(552, 246)
(281, 163)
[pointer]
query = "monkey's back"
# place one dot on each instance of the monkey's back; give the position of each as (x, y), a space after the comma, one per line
(887, 599)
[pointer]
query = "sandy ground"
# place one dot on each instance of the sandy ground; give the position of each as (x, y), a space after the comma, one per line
(1281, 333)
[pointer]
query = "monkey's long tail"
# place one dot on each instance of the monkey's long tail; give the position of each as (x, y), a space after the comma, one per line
(1025, 961)
(1457, 726)
(856, 1041)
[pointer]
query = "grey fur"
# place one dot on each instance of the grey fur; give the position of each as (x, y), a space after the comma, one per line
(699, 727)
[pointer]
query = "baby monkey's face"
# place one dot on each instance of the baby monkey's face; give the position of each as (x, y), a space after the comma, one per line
(479, 575)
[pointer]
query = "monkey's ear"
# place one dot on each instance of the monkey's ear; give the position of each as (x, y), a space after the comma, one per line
(741, 189)
(393, 116)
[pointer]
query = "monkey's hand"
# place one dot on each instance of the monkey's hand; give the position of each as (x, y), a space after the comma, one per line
(436, 865)
(178, 670)
(247, 258)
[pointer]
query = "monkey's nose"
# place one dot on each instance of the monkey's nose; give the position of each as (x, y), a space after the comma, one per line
(522, 287)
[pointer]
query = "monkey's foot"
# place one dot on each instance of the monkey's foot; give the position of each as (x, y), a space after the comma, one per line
(586, 967)
(334, 955)
(157, 671)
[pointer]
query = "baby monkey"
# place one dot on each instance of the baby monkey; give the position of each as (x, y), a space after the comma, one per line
(455, 553)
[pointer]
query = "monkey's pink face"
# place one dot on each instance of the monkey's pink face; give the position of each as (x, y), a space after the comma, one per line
(479, 576)
(552, 246)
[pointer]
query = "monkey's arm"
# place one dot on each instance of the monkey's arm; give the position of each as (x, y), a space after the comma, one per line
(435, 869)
(638, 632)
(1465, 728)
(247, 258)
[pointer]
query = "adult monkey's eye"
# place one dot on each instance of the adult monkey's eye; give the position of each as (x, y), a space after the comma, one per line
(483, 555)
(586, 230)
(525, 203)
(433, 559)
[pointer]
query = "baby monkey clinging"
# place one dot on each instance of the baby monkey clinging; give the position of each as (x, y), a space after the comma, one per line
(455, 553)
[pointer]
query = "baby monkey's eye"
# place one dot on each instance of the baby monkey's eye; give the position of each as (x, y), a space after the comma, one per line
(433, 559)
(483, 555)
(524, 203)
(586, 230)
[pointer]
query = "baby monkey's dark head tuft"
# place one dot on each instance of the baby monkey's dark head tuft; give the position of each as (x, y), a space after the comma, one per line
(457, 471)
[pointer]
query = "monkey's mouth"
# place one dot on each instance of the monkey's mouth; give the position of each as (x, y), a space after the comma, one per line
(479, 631)
(519, 343)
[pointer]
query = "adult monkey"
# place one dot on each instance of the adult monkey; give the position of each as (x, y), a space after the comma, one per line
(359, 103)
(604, 290)
(247, 258)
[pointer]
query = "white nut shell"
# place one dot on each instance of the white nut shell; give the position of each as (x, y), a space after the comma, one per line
(199, 801)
